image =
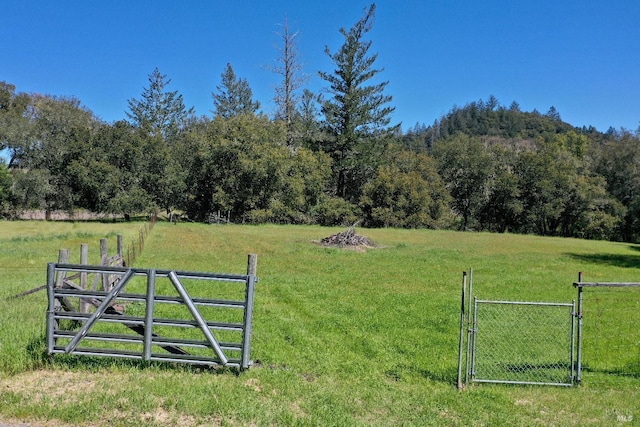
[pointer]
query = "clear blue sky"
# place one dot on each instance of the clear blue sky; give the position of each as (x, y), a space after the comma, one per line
(582, 57)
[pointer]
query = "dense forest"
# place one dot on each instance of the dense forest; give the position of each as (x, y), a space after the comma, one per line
(332, 158)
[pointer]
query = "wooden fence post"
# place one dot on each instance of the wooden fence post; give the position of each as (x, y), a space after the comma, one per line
(252, 264)
(120, 261)
(84, 260)
(104, 256)
(63, 258)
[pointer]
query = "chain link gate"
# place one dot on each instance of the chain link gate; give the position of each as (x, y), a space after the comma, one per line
(516, 342)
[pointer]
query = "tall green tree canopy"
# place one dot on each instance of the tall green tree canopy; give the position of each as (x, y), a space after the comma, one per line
(108, 174)
(57, 132)
(357, 111)
(406, 192)
(465, 165)
(159, 112)
(234, 96)
(13, 115)
(5, 189)
(618, 161)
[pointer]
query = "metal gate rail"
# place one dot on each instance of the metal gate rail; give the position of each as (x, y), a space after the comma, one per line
(64, 317)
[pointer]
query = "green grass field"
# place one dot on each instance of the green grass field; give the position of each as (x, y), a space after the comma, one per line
(340, 337)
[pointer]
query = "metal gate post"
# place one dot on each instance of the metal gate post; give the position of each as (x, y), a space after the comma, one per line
(248, 320)
(148, 320)
(474, 332)
(51, 311)
(573, 341)
(252, 267)
(579, 368)
(470, 331)
(462, 322)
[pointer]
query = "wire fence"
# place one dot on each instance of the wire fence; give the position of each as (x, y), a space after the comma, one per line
(552, 343)
(516, 342)
(610, 328)
(523, 342)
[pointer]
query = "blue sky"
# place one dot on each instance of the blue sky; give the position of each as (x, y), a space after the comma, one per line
(582, 57)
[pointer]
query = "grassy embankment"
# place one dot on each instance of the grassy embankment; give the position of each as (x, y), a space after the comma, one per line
(341, 337)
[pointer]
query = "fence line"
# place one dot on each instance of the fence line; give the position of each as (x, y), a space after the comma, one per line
(122, 258)
(136, 246)
(608, 334)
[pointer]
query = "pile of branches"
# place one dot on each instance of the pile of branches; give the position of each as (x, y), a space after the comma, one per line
(347, 238)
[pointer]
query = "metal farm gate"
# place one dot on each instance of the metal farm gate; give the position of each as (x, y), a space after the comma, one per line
(516, 342)
(151, 315)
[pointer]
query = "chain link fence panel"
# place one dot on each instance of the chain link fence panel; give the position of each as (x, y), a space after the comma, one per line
(610, 335)
(522, 343)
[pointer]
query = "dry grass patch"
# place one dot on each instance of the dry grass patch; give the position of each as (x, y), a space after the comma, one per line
(63, 386)
(68, 389)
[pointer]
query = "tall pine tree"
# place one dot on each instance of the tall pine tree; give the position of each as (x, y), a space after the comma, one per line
(159, 112)
(234, 96)
(356, 114)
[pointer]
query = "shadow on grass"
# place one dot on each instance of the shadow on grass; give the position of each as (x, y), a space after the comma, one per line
(630, 371)
(40, 359)
(401, 371)
(624, 261)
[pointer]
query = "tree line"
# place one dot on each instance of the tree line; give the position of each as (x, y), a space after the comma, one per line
(332, 158)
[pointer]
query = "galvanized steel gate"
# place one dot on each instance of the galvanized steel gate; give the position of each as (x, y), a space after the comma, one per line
(522, 343)
(151, 315)
(516, 342)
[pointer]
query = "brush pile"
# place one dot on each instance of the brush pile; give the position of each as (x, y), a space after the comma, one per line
(347, 238)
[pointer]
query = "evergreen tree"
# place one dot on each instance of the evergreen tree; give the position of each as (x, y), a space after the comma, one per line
(234, 96)
(307, 124)
(159, 112)
(356, 115)
(553, 114)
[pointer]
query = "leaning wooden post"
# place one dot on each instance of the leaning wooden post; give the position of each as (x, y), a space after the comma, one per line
(120, 247)
(84, 260)
(252, 268)
(104, 250)
(104, 256)
(63, 258)
(133, 251)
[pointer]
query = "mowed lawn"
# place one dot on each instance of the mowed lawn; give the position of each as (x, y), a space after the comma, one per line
(340, 337)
